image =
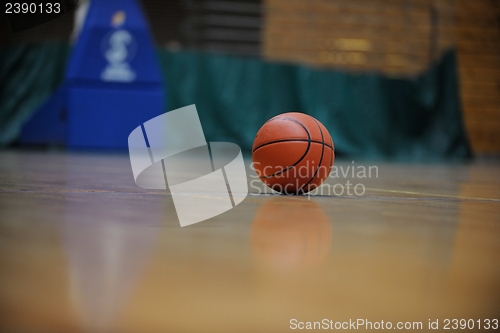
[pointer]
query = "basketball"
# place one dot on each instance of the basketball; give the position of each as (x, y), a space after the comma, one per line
(293, 153)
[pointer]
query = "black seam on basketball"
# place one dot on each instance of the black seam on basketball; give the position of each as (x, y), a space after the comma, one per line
(295, 121)
(307, 150)
(320, 161)
(292, 140)
(277, 117)
(331, 160)
(318, 142)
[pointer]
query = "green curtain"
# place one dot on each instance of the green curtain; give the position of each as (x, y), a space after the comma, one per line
(368, 115)
(28, 75)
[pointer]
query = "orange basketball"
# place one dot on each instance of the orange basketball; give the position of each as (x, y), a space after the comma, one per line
(293, 153)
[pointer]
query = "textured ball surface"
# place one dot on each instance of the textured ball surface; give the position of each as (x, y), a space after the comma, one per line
(293, 153)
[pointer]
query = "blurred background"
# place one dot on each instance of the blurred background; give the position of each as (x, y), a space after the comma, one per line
(391, 79)
(84, 249)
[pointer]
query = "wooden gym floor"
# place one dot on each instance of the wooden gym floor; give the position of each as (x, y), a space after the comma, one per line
(83, 249)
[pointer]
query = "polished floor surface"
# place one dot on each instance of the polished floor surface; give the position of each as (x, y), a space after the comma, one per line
(83, 249)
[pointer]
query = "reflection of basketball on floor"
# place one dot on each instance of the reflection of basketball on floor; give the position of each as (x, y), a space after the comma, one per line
(290, 234)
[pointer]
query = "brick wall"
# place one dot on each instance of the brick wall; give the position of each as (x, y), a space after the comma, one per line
(478, 32)
(398, 37)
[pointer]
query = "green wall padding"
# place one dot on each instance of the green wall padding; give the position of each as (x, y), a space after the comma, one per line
(368, 115)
